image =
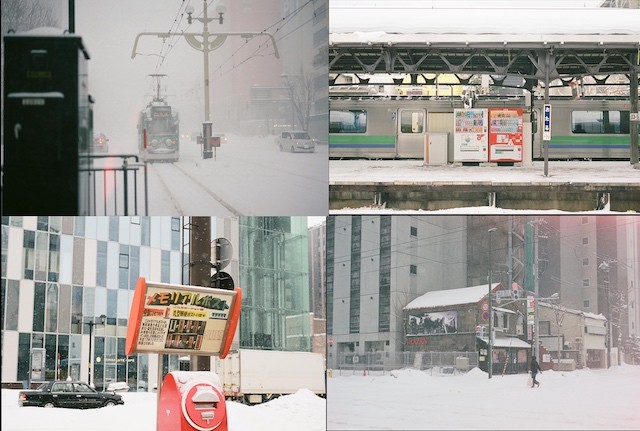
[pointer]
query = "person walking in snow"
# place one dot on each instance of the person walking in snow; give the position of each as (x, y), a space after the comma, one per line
(535, 368)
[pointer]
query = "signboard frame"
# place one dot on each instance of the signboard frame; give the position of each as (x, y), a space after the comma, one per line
(186, 320)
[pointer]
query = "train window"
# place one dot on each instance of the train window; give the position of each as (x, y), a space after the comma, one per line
(412, 122)
(348, 121)
(600, 122)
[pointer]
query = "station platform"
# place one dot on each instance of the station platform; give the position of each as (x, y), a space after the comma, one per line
(572, 186)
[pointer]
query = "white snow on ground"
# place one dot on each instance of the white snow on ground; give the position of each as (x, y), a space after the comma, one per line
(402, 172)
(416, 400)
(300, 411)
(415, 172)
(249, 173)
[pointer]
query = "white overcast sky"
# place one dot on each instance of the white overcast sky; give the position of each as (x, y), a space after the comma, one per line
(466, 4)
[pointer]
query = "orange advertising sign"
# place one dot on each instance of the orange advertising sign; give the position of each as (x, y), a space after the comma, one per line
(188, 320)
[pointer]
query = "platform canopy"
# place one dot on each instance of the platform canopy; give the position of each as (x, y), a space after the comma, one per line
(414, 38)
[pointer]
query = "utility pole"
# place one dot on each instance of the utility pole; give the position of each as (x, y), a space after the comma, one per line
(200, 270)
(536, 292)
(604, 266)
(72, 16)
(490, 343)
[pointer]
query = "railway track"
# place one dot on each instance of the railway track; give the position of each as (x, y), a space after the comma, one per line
(184, 190)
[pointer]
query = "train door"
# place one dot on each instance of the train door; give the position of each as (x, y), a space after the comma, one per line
(411, 133)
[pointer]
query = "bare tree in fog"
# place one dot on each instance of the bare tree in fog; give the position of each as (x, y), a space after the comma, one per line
(23, 15)
(300, 88)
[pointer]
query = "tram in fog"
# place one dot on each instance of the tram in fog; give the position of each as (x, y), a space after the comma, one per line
(159, 129)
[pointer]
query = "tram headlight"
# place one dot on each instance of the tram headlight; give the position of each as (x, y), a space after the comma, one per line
(169, 143)
(154, 142)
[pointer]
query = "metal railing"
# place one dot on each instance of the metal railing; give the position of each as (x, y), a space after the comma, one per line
(383, 362)
(115, 188)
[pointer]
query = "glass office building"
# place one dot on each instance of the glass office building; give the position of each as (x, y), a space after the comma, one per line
(60, 273)
(274, 275)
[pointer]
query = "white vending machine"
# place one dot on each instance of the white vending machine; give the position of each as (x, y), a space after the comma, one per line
(470, 135)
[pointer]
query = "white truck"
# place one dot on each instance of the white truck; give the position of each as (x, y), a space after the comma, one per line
(254, 376)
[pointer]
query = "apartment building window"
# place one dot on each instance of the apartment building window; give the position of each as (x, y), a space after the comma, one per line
(585, 304)
(414, 231)
(384, 306)
(585, 282)
(29, 253)
(545, 327)
(585, 240)
(585, 261)
(413, 269)
(354, 309)
(330, 258)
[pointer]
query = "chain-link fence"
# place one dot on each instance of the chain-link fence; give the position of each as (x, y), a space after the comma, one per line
(442, 363)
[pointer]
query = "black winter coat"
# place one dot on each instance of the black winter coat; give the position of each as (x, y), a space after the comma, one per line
(535, 367)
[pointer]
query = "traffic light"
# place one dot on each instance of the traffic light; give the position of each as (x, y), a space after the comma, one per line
(514, 286)
(222, 252)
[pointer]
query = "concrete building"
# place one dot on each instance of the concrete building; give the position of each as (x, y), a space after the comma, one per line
(376, 265)
(579, 336)
(456, 322)
(591, 262)
(253, 91)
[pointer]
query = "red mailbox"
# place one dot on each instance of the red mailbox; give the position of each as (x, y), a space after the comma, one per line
(192, 401)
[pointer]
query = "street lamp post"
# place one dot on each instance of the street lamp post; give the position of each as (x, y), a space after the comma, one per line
(490, 343)
(91, 324)
(205, 46)
(206, 42)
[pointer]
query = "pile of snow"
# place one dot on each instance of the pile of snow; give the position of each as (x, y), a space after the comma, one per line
(302, 410)
(475, 374)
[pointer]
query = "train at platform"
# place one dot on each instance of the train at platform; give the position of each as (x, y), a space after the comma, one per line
(159, 129)
(375, 127)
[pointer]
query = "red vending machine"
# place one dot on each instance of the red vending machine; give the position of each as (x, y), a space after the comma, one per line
(505, 135)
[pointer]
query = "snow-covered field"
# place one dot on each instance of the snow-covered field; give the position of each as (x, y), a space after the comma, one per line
(415, 400)
(300, 411)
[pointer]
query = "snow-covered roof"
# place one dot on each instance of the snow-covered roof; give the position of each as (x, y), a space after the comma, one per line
(572, 311)
(504, 310)
(397, 21)
(508, 342)
(443, 298)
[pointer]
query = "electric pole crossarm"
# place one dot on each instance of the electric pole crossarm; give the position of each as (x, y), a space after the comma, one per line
(219, 39)
(160, 35)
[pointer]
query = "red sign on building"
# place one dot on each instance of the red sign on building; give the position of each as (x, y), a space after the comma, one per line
(417, 341)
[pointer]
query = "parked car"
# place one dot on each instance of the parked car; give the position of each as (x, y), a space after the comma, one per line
(70, 394)
(296, 140)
